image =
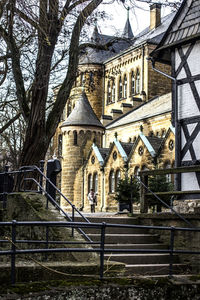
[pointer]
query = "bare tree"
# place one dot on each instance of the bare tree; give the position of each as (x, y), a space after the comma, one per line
(37, 38)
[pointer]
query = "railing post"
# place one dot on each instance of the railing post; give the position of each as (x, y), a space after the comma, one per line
(41, 176)
(13, 249)
(73, 210)
(47, 241)
(103, 229)
(143, 199)
(5, 187)
(171, 251)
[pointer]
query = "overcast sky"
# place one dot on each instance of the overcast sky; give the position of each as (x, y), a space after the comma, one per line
(139, 18)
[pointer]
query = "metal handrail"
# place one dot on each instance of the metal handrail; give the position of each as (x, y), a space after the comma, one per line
(163, 202)
(101, 249)
(25, 169)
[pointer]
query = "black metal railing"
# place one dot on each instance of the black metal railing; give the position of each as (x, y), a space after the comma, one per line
(20, 181)
(101, 249)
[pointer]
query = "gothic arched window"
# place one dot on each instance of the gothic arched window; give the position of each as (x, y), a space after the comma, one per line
(113, 92)
(117, 178)
(108, 93)
(75, 138)
(120, 88)
(132, 83)
(112, 182)
(125, 87)
(137, 84)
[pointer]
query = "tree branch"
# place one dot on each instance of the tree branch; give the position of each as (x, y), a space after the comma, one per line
(10, 122)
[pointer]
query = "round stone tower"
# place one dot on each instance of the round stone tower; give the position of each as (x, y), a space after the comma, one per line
(79, 131)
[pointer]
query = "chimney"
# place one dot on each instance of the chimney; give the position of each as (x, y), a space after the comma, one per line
(155, 15)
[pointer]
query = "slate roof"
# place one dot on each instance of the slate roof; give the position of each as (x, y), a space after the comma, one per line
(104, 152)
(82, 114)
(184, 27)
(127, 147)
(155, 142)
(160, 105)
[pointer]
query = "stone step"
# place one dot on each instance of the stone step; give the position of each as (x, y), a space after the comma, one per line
(112, 219)
(134, 246)
(147, 258)
(154, 269)
(127, 238)
(116, 230)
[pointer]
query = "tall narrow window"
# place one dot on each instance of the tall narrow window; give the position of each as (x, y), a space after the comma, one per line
(75, 138)
(117, 178)
(112, 182)
(125, 87)
(113, 92)
(120, 88)
(60, 145)
(69, 109)
(137, 87)
(136, 172)
(82, 79)
(132, 83)
(108, 93)
(95, 182)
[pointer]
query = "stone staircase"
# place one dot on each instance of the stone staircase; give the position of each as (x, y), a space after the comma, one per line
(134, 238)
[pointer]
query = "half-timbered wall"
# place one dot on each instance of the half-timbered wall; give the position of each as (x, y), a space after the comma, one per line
(187, 73)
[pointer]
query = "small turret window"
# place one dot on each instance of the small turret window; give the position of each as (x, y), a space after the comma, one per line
(60, 145)
(75, 138)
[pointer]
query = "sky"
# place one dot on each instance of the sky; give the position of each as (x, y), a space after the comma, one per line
(117, 15)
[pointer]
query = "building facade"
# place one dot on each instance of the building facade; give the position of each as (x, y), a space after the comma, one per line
(117, 120)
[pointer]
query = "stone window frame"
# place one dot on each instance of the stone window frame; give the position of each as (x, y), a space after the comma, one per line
(113, 91)
(90, 182)
(109, 93)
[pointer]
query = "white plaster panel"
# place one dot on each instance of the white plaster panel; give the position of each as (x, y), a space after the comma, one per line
(194, 60)
(183, 141)
(196, 146)
(187, 106)
(177, 60)
(189, 182)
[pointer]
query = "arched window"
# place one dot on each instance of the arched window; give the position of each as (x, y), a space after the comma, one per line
(117, 178)
(132, 83)
(136, 172)
(125, 87)
(120, 88)
(60, 145)
(75, 137)
(112, 182)
(137, 85)
(89, 182)
(108, 93)
(113, 92)
(95, 182)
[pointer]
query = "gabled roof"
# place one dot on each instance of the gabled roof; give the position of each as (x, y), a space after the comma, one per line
(155, 142)
(127, 147)
(82, 114)
(184, 27)
(104, 152)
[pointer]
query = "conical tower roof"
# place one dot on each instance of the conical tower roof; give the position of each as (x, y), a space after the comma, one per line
(82, 114)
(128, 33)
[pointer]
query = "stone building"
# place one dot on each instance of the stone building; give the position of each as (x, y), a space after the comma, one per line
(117, 120)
